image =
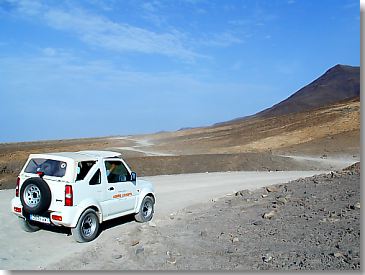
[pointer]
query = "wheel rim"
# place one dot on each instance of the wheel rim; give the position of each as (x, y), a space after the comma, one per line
(32, 195)
(147, 209)
(88, 226)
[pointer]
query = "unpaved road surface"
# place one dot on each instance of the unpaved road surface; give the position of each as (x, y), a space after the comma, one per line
(332, 163)
(141, 146)
(307, 224)
(20, 250)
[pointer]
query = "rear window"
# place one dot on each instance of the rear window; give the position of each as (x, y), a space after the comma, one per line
(83, 169)
(49, 167)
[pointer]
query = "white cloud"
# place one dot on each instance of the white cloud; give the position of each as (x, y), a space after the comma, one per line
(31, 8)
(151, 11)
(102, 32)
(49, 51)
(224, 39)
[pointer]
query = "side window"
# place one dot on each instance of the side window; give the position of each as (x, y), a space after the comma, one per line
(83, 168)
(116, 171)
(96, 178)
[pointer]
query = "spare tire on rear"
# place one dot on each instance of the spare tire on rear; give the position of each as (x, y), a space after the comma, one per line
(35, 196)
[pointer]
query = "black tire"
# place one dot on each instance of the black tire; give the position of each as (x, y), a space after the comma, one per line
(35, 196)
(87, 227)
(146, 210)
(27, 226)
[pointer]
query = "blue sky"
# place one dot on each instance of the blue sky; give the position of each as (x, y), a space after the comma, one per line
(72, 69)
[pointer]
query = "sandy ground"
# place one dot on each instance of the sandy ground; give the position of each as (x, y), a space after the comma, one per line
(306, 224)
(20, 250)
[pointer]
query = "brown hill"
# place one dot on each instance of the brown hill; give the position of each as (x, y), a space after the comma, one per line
(338, 83)
(334, 128)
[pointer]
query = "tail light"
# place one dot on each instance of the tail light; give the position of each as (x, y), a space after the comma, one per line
(56, 218)
(17, 187)
(68, 195)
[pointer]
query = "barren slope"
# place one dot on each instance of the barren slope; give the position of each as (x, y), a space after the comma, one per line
(272, 133)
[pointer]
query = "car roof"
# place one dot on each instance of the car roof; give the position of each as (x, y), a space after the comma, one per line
(79, 156)
(101, 154)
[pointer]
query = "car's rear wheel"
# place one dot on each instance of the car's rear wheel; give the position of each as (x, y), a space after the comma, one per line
(87, 227)
(146, 210)
(27, 226)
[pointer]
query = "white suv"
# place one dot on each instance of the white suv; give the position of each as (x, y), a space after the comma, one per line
(79, 190)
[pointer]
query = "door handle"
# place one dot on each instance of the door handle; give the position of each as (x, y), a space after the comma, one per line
(111, 188)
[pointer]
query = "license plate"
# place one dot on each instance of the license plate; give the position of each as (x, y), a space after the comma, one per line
(39, 219)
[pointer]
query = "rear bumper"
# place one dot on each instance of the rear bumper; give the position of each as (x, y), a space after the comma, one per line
(16, 206)
(69, 215)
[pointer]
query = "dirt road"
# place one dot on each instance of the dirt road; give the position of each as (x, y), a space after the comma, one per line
(333, 163)
(140, 146)
(20, 250)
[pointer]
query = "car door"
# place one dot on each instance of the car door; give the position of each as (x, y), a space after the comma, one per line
(120, 193)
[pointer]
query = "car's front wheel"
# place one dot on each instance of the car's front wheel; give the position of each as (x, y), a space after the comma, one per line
(146, 210)
(27, 226)
(87, 227)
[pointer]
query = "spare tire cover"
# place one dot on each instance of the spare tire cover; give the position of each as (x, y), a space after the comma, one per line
(35, 195)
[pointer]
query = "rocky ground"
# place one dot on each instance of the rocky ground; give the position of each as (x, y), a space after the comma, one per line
(308, 224)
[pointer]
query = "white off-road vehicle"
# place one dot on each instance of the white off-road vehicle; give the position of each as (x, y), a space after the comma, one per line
(79, 190)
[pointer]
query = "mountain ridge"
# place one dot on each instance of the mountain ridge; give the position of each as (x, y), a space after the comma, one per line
(340, 82)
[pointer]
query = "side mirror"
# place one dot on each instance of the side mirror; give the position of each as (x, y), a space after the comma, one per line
(133, 176)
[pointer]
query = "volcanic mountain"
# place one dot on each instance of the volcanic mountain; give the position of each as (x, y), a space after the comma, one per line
(339, 83)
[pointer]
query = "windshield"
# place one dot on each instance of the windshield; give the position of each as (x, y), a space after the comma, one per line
(49, 167)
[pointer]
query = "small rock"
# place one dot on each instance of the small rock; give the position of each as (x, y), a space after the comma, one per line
(203, 233)
(152, 224)
(134, 242)
(139, 250)
(272, 189)
(338, 254)
(258, 223)
(142, 227)
(235, 240)
(357, 205)
(118, 257)
(264, 195)
(171, 260)
(269, 215)
(333, 214)
(266, 258)
(282, 200)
